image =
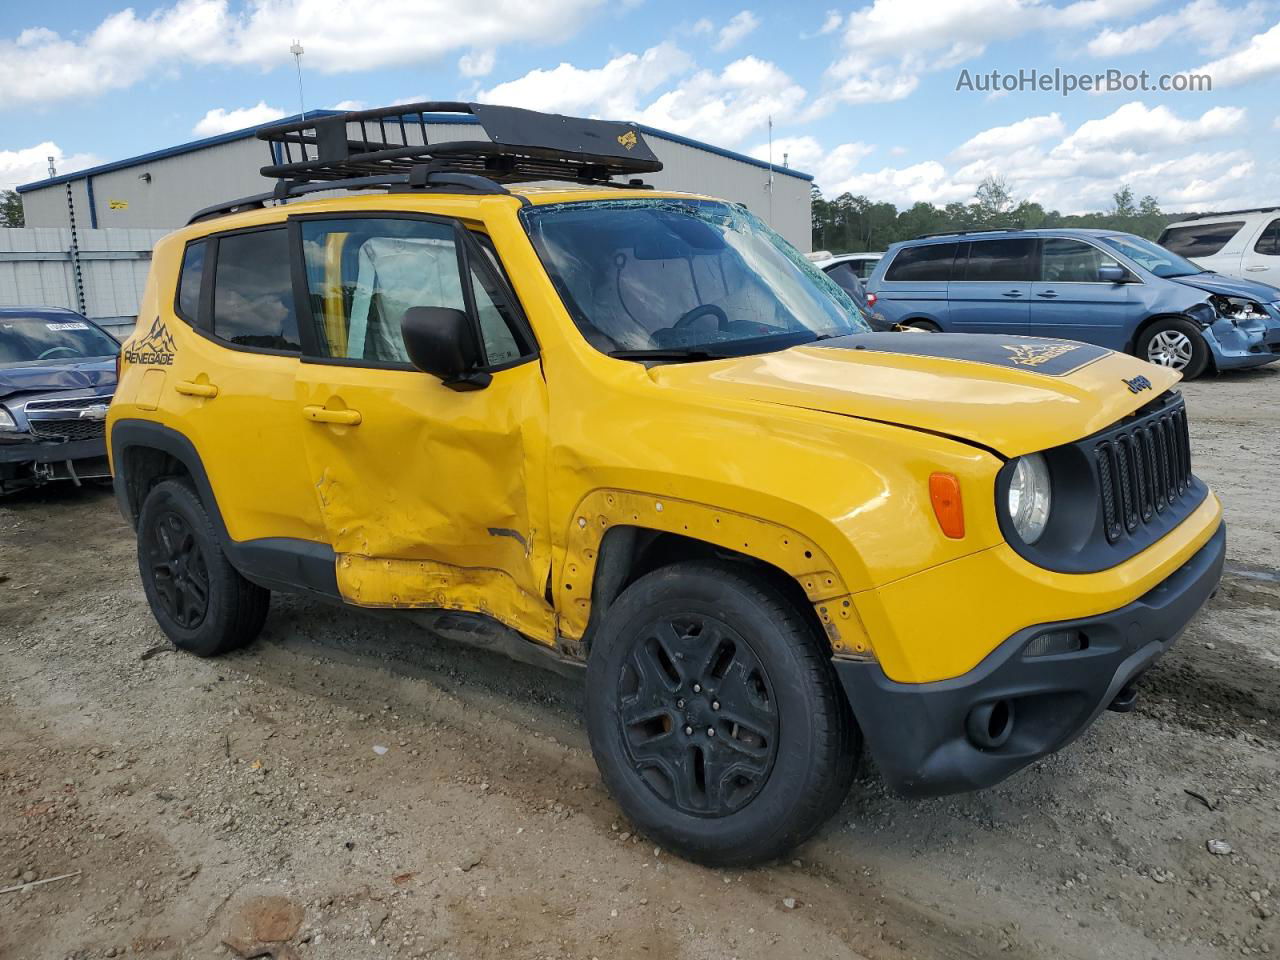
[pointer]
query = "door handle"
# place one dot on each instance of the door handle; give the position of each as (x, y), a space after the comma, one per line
(1047, 294)
(344, 418)
(189, 388)
(1255, 269)
(1012, 293)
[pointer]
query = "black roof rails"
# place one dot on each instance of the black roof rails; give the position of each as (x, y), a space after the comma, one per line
(964, 233)
(1228, 213)
(522, 145)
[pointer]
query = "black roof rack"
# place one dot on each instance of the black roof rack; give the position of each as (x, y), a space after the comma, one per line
(1228, 213)
(390, 147)
(965, 233)
(523, 145)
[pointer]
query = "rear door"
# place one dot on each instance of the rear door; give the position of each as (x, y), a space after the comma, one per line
(431, 497)
(1262, 258)
(990, 289)
(1070, 302)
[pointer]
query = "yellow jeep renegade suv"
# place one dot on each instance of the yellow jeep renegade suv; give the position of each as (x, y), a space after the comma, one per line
(638, 432)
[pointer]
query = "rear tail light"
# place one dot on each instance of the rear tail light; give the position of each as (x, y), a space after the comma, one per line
(871, 299)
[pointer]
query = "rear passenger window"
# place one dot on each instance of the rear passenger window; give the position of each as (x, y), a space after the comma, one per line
(1002, 261)
(253, 292)
(363, 274)
(1269, 243)
(1200, 239)
(189, 282)
(928, 262)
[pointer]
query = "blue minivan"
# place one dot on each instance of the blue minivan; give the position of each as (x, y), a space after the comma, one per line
(1099, 286)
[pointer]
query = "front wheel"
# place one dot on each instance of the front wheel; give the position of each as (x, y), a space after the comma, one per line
(1176, 343)
(715, 717)
(200, 600)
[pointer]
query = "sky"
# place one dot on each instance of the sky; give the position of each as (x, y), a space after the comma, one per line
(888, 98)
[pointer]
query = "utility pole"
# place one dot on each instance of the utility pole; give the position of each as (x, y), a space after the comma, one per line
(53, 171)
(297, 51)
(769, 185)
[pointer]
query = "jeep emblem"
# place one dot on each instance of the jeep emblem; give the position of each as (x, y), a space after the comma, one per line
(1137, 384)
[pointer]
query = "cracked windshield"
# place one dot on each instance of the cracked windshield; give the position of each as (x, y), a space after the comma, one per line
(685, 277)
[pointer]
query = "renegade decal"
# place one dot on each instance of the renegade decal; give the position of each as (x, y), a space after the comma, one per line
(155, 349)
(1034, 355)
(628, 139)
(1052, 358)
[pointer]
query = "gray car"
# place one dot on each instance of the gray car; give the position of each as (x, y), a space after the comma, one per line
(57, 377)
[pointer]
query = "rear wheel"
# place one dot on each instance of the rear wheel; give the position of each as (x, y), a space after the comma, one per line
(715, 716)
(1176, 343)
(200, 601)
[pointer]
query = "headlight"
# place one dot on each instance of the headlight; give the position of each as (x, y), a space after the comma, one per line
(7, 424)
(1030, 497)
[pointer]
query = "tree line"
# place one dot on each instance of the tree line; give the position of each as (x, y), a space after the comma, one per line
(850, 224)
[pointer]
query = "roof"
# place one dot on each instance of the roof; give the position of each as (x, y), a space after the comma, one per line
(1218, 215)
(247, 132)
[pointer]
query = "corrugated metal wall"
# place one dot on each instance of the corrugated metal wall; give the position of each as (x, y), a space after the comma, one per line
(36, 269)
(181, 185)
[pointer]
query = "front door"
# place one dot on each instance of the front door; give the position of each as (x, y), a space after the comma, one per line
(1070, 302)
(990, 288)
(432, 497)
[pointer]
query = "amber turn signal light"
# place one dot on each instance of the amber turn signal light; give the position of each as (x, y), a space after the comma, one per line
(944, 492)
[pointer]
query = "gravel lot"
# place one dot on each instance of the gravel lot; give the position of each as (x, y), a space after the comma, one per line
(250, 799)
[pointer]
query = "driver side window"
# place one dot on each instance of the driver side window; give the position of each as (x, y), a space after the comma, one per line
(364, 273)
(1072, 261)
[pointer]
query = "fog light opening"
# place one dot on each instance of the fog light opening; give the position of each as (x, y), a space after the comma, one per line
(1056, 643)
(989, 725)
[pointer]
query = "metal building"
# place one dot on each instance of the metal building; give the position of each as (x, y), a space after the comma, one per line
(163, 189)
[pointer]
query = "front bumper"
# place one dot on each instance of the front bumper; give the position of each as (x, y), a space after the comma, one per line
(918, 732)
(1250, 343)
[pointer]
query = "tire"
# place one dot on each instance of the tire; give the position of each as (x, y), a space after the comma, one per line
(1176, 343)
(673, 646)
(928, 326)
(209, 609)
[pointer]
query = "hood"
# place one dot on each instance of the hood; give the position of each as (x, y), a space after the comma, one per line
(50, 377)
(1231, 286)
(1013, 395)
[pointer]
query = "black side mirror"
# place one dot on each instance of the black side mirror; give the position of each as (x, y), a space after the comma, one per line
(441, 341)
(1110, 273)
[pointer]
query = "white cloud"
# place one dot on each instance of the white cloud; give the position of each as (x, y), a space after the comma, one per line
(220, 120)
(611, 91)
(808, 155)
(477, 63)
(32, 163)
(1151, 149)
(1259, 58)
(723, 107)
(349, 105)
(733, 32)
(998, 140)
(702, 26)
(40, 65)
(939, 35)
(1206, 22)
(832, 23)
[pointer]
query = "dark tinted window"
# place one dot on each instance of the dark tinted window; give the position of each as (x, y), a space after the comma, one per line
(253, 293)
(1071, 261)
(999, 260)
(189, 282)
(1200, 239)
(846, 275)
(930, 261)
(1269, 242)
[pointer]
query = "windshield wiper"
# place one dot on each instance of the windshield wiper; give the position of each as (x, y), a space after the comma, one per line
(668, 353)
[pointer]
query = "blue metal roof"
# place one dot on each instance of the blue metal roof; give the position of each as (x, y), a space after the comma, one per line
(439, 118)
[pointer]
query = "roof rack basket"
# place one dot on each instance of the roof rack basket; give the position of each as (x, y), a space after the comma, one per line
(522, 146)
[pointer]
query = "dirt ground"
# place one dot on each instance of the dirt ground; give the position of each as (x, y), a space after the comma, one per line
(346, 788)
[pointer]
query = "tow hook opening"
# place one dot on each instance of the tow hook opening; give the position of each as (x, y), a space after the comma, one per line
(989, 725)
(1126, 700)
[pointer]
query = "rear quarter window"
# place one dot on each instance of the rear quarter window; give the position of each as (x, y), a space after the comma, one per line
(927, 262)
(1200, 239)
(253, 291)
